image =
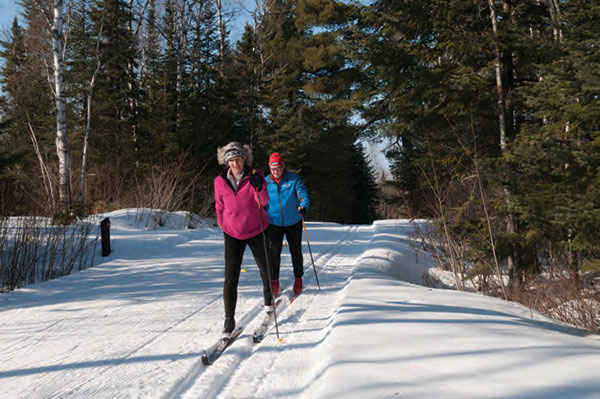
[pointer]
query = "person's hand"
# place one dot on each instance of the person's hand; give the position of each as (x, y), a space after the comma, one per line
(302, 211)
(256, 181)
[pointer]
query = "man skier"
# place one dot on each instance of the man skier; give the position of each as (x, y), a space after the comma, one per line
(288, 203)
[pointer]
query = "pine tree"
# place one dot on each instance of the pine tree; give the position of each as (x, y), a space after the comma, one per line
(115, 138)
(211, 102)
(309, 103)
(28, 111)
(156, 112)
(249, 81)
(444, 83)
(13, 144)
(556, 152)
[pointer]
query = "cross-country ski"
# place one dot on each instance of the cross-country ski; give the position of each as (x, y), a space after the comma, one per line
(211, 354)
(268, 322)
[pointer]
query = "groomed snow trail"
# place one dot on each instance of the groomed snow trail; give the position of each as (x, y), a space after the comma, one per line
(249, 370)
(135, 326)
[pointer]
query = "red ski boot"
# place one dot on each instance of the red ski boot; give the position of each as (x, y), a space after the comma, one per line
(298, 285)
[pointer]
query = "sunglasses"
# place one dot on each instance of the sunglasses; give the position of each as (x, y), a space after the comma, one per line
(276, 167)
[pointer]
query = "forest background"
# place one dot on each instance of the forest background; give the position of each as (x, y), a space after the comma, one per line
(490, 107)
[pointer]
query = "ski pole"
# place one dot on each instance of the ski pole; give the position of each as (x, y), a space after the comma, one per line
(262, 227)
(310, 251)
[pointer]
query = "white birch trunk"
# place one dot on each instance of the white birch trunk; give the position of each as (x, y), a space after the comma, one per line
(86, 145)
(498, 70)
(554, 8)
(221, 29)
(131, 100)
(180, 48)
(84, 157)
(48, 184)
(62, 144)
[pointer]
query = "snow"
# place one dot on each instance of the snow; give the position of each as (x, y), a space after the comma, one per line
(135, 326)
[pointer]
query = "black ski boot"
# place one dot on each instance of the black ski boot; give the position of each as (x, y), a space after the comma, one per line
(228, 326)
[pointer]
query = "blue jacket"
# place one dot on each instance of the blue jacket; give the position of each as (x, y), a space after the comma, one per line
(285, 198)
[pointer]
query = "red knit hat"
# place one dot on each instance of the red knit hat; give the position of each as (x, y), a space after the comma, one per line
(275, 160)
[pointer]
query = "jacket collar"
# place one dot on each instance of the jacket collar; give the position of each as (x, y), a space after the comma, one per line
(224, 172)
(280, 179)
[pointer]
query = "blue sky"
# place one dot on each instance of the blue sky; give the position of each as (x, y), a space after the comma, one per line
(8, 10)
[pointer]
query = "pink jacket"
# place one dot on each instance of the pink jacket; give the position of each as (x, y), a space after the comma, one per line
(237, 212)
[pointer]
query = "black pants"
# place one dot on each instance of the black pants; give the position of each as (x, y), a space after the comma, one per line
(234, 253)
(293, 234)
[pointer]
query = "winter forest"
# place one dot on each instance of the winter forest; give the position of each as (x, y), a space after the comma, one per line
(489, 109)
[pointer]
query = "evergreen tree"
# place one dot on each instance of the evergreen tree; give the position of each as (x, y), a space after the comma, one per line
(115, 138)
(212, 104)
(156, 112)
(172, 81)
(309, 103)
(115, 84)
(429, 73)
(12, 143)
(80, 59)
(556, 153)
(27, 109)
(446, 83)
(249, 77)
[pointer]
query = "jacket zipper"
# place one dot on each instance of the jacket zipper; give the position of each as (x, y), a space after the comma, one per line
(280, 205)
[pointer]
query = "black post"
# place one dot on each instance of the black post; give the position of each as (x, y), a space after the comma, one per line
(105, 234)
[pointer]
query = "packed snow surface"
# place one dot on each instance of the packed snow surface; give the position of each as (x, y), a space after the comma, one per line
(136, 325)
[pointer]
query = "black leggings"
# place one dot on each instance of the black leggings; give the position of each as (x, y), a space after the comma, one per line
(293, 234)
(234, 253)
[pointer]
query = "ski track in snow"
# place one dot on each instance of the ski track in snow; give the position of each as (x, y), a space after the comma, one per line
(241, 357)
(136, 326)
(130, 354)
(304, 315)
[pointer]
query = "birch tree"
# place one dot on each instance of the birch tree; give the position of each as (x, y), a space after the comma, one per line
(84, 158)
(62, 144)
(221, 30)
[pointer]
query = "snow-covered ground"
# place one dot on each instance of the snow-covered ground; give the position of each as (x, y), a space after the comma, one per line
(135, 326)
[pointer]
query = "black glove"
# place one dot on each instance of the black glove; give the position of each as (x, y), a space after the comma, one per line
(302, 211)
(256, 181)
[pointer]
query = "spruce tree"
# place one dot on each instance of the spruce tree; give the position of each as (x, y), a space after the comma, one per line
(115, 138)
(156, 111)
(249, 84)
(553, 162)
(27, 109)
(13, 145)
(310, 103)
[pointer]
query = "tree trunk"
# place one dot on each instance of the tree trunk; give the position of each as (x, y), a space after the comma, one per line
(89, 117)
(498, 70)
(220, 28)
(132, 101)
(554, 8)
(180, 48)
(501, 102)
(62, 144)
(48, 183)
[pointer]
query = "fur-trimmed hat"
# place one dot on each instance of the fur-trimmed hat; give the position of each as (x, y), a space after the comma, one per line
(232, 150)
